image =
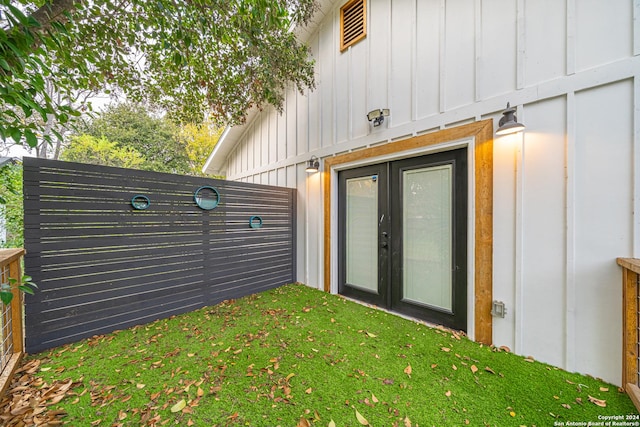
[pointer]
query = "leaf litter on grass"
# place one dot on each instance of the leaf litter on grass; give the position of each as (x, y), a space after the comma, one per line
(297, 356)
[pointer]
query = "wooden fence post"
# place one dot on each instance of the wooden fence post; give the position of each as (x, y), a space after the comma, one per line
(11, 258)
(15, 272)
(630, 270)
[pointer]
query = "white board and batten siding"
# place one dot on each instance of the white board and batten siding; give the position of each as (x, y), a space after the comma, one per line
(566, 191)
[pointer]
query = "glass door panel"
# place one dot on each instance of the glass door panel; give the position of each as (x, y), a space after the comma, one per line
(361, 206)
(427, 236)
(428, 199)
(363, 229)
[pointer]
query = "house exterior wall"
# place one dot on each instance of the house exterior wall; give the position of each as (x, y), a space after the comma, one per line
(565, 191)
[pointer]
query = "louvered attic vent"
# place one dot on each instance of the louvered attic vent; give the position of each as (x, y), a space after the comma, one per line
(353, 23)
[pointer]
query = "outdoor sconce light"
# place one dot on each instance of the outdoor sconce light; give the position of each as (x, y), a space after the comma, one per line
(509, 122)
(377, 116)
(313, 164)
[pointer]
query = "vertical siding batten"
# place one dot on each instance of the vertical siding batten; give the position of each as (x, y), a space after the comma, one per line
(571, 37)
(519, 244)
(570, 215)
(521, 49)
(636, 27)
(443, 56)
(478, 69)
(636, 165)
(414, 61)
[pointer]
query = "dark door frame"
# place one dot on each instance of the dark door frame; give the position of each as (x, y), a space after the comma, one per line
(389, 237)
(457, 158)
(481, 172)
(382, 296)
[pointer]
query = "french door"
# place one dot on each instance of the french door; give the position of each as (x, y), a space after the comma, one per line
(403, 236)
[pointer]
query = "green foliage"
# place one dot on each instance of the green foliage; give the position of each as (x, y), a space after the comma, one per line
(24, 65)
(298, 356)
(11, 206)
(24, 285)
(193, 59)
(132, 127)
(198, 141)
(100, 151)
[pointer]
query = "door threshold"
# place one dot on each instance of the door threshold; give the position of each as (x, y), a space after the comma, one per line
(456, 333)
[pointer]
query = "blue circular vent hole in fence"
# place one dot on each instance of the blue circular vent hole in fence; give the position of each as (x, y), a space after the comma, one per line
(140, 202)
(255, 222)
(206, 197)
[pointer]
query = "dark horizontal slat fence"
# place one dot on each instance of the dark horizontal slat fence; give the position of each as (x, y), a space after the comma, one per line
(101, 265)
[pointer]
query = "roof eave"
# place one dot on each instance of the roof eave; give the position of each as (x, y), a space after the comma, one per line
(215, 164)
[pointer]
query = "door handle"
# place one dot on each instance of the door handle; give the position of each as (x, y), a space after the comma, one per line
(384, 243)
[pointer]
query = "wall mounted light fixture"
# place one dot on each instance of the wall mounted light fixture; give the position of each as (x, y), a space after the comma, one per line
(509, 122)
(313, 165)
(377, 116)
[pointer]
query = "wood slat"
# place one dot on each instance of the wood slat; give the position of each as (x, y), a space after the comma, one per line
(102, 265)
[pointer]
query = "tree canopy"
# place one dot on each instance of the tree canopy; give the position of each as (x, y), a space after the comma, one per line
(128, 135)
(100, 151)
(132, 127)
(197, 58)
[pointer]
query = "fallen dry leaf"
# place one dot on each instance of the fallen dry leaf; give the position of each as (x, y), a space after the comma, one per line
(474, 368)
(374, 399)
(407, 422)
(601, 403)
(303, 423)
(362, 420)
(179, 406)
(604, 389)
(448, 393)
(331, 424)
(407, 370)
(445, 349)
(488, 369)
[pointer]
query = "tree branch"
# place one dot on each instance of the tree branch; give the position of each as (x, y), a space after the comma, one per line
(54, 11)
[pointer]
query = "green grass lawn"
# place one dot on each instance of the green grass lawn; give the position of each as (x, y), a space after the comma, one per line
(296, 356)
